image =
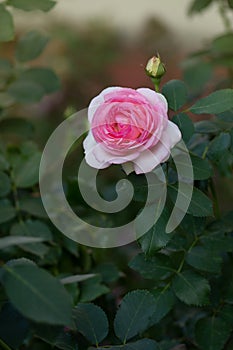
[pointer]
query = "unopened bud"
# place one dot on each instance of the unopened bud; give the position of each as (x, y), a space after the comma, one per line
(155, 68)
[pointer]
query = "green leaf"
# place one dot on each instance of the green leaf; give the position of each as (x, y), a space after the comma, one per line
(156, 238)
(33, 229)
(5, 184)
(33, 206)
(200, 204)
(230, 3)
(211, 333)
(205, 260)
(108, 271)
(30, 46)
(219, 145)
(141, 344)
(201, 168)
(197, 74)
(157, 267)
(36, 294)
(30, 5)
(223, 44)
(226, 314)
(7, 32)
(26, 171)
(176, 94)
(206, 127)
(92, 289)
(91, 321)
(164, 302)
(76, 278)
(226, 116)
(191, 288)
(7, 211)
(19, 126)
(218, 102)
(6, 242)
(45, 77)
(185, 125)
(198, 6)
(134, 314)
(3, 163)
(25, 92)
(217, 242)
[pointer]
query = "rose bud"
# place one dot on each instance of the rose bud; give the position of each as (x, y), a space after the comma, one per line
(155, 68)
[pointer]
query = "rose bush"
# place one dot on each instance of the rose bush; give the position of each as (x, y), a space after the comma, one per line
(129, 127)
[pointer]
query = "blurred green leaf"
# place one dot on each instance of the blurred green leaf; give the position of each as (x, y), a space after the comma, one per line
(219, 145)
(226, 116)
(19, 126)
(30, 46)
(156, 267)
(211, 333)
(200, 204)
(164, 302)
(230, 3)
(9, 241)
(6, 25)
(198, 6)
(201, 168)
(141, 344)
(33, 206)
(25, 92)
(185, 125)
(76, 278)
(3, 163)
(45, 77)
(5, 184)
(217, 102)
(134, 314)
(205, 260)
(218, 242)
(175, 92)
(207, 127)
(197, 74)
(26, 170)
(30, 5)
(191, 288)
(36, 294)
(91, 321)
(223, 44)
(7, 211)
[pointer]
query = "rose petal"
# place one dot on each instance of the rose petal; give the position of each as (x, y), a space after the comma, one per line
(154, 98)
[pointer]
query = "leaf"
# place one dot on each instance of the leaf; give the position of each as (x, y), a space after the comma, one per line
(76, 278)
(185, 125)
(108, 271)
(19, 126)
(6, 242)
(7, 211)
(201, 168)
(33, 206)
(230, 3)
(7, 31)
(164, 302)
(219, 145)
(156, 267)
(34, 228)
(36, 294)
(217, 242)
(198, 6)
(197, 74)
(14, 327)
(191, 288)
(156, 238)
(218, 102)
(176, 94)
(226, 116)
(30, 46)
(211, 333)
(25, 92)
(45, 77)
(91, 321)
(26, 171)
(141, 344)
(205, 260)
(134, 314)
(3, 163)
(92, 289)
(223, 44)
(30, 5)
(200, 204)
(5, 184)
(206, 127)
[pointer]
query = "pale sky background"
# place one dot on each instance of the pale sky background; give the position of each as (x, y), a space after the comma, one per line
(129, 16)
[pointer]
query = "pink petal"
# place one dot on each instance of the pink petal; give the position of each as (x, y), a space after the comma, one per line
(154, 98)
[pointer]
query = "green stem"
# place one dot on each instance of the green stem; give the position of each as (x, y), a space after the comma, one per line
(4, 346)
(15, 195)
(156, 83)
(223, 13)
(217, 213)
(183, 260)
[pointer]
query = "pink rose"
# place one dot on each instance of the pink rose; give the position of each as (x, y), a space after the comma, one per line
(129, 127)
